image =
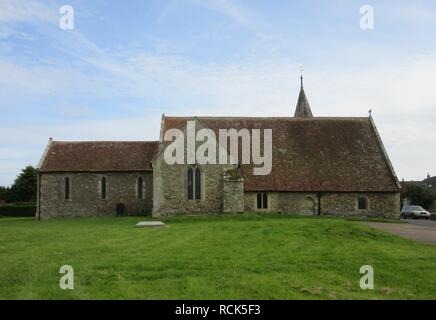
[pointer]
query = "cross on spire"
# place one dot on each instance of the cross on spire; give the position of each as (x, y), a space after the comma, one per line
(301, 74)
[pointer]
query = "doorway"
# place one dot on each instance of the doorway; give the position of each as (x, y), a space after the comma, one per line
(309, 206)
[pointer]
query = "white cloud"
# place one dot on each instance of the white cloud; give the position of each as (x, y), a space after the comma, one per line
(16, 79)
(16, 11)
(237, 13)
(411, 12)
(389, 89)
(227, 8)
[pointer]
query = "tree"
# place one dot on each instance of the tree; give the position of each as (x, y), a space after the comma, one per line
(421, 195)
(24, 187)
(5, 194)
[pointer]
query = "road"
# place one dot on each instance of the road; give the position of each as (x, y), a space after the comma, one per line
(418, 230)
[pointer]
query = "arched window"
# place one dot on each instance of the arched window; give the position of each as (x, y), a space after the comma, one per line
(194, 183)
(363, 203)
(265, 201)
(67, 187)
(197, 184)
(262, 200)
(103, 188)
(140, 187)
(190, 184)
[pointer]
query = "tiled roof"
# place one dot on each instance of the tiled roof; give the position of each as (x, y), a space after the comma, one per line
(313, 154)
(101, 156)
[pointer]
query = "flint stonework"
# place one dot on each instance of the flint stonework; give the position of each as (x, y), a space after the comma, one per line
(335, 166)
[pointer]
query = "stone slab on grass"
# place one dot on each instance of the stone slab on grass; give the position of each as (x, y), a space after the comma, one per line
(145, 224)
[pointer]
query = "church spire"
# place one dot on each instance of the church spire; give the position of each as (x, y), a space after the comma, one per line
(303, 108)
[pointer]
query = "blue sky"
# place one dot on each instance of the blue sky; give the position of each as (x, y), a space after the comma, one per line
(127, 62)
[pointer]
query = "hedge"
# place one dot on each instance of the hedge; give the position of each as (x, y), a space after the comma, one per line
(12, 210)
(23, 204)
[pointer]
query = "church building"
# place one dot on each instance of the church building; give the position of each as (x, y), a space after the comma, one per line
(320, 166)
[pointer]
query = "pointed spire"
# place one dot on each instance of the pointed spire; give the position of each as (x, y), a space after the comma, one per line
(303, 108)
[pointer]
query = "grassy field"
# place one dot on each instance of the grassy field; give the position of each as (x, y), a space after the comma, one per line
(230, 257)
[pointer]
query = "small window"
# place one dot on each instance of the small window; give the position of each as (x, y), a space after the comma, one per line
(262, 201)
(194, 183)
(265, 201)
(259, 201)
(103, 188)
(197, 184)
(363, 203)
(190, 184)
(140, 187)
(67, 187)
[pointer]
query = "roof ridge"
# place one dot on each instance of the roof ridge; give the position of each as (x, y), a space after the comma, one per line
(260, 118)
(105, 141)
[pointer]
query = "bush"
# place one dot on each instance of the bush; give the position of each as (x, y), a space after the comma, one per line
(22, 210)
(23, 204)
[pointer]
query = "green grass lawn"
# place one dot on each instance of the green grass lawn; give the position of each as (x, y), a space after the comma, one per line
(227, 257)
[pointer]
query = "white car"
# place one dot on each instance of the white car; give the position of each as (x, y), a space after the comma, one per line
(415, 212)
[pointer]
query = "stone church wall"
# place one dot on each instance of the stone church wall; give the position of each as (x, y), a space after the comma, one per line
(171, 190)
(335, 204)
(233, 194)
(85, 194)
(284, 202)
(346, 204)
(170, 186)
